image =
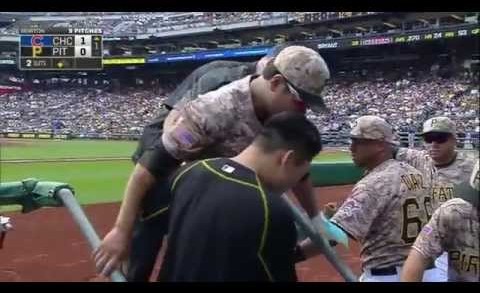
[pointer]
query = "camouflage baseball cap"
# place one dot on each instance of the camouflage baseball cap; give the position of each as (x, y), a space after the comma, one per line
(271, 53)
(469, 191)
(373, 127)
(306, 71)
(439, 124)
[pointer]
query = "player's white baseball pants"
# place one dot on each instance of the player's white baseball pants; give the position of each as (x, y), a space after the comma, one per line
(441, 263)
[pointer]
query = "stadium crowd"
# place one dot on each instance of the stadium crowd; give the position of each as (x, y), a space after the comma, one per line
(406, 103)
(79, 111)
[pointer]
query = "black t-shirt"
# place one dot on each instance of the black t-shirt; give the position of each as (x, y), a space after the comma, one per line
(225, 227)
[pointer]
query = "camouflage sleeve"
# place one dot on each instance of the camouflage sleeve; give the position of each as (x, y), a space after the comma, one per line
(190, 130)
(358, 212)
(431, 240)
(415, 158)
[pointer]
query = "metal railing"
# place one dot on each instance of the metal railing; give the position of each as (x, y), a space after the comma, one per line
(465, 140)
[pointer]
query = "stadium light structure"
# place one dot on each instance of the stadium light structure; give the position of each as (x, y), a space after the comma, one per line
(390, 25)
(335, 31)
(307, 34)
(360, 28)
(456, 17)
(424, 21)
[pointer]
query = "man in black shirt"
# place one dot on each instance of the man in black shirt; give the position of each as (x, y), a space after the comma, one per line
(228, 221)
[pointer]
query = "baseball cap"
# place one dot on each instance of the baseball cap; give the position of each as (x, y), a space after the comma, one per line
(305, 71)
(271, 53)
(373, 127)
(469, 191)
(439, 124)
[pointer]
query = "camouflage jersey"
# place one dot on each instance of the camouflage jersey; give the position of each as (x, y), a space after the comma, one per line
(219, 123)
(385, 212)
(443, 178)
(454, 227)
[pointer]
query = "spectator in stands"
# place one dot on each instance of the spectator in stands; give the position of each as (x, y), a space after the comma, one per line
(405, 103)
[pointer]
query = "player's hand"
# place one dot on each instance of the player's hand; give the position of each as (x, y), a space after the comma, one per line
(111, 252)
(329, 230)
(330, 209)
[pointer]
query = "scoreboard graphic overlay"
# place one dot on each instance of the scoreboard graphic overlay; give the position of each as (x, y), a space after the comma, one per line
(61, 49)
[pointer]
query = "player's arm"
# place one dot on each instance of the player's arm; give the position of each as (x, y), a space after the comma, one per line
(307, 249)
(344, 222)
(428, 245)
(414, 267)
(155, 164)
(190, 131)
(114, 246)
(357, 213)
(416, 158)
(140, 181)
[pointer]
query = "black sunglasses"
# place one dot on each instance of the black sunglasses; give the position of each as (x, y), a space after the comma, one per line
(436, 137)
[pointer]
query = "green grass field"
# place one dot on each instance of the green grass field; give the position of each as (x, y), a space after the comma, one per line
(53, 149)
(94, 182)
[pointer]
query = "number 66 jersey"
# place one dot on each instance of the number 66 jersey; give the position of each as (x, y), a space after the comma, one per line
(385, 212)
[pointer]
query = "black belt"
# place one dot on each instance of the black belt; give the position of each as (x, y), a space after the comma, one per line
(384, 271)
(388, 271)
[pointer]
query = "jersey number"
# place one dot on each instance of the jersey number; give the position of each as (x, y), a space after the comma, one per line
(409, 235)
